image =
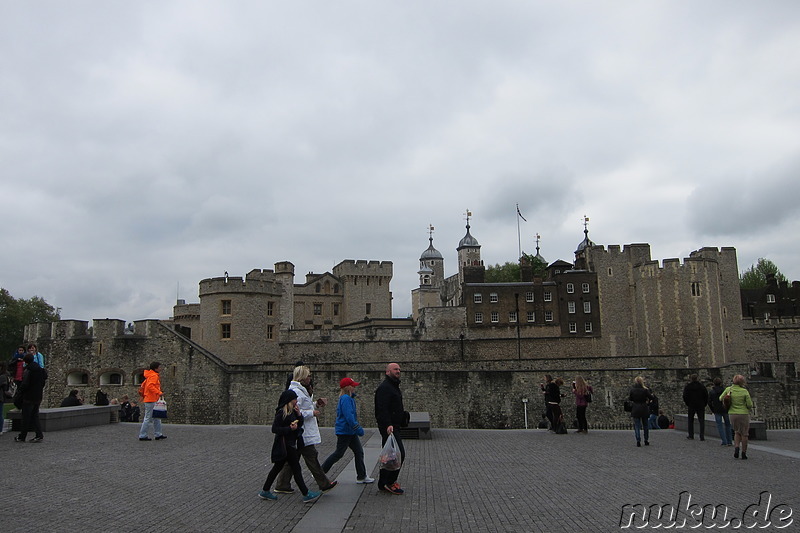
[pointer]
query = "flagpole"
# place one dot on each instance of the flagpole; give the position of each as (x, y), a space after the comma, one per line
(519, 239)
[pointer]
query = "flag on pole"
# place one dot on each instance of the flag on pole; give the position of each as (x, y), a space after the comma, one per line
(520, 214)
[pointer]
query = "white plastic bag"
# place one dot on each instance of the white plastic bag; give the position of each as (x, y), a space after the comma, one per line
(390, 458)
(160, 409)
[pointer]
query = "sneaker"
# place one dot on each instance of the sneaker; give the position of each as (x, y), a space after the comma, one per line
(330, 487)
(365, 480)
(394, 488)
(161, 437)
(290, 490)
(145, 438)
(19, 439)
(267, 495)
(37, 439)
(311, 496)
(744, 455)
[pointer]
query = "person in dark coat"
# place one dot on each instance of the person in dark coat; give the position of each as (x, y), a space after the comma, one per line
(390, 416)
(695, 396)
(31, 392)
(720, 413)
(288, 428)
(72, 400)
(640, 396)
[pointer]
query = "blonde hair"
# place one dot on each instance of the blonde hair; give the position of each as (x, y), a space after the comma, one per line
(639, 381)
(288, 408)
(346, 390)
(740, 380)
(581, 385)
(300, 373)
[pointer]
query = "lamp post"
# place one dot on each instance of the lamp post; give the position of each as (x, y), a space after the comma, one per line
(525, 405)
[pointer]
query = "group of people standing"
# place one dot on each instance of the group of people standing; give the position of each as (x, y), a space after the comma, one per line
(297, 434)
(23, 384)
(731, 407)
(551, 389)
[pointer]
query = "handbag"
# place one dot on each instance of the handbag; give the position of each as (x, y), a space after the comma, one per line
(727, 401)
(390, 455)
(588, 397)
(628, 406)
(160, 409)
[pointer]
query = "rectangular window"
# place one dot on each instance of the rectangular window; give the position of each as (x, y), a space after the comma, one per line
(317, 309)
(695, 288)
(770, 298)
(587, 307)
(573, 327)
(570, 307)
(270, 308)
(225, 331)
(335, 309)
(531, 316)
(585, 288)
(512, 316)
(587, 327)
(529, 296)
(548, 316)
(493, 298)
(570, 288)
(368, 309)
(495, 317)
(548, 296)
(226, 307)
(479, 318)
(477, 298)
(269, 332)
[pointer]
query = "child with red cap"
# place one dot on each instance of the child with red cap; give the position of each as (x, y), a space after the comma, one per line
(348, 431)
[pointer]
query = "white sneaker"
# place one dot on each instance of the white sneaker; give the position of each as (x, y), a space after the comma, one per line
(365, 480)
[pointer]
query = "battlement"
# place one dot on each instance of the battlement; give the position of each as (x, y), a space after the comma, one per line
(674, 263)
(257, 281)
(361, 267)
(102, 329)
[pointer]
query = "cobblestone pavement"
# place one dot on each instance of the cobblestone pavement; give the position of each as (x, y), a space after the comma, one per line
(205, 478)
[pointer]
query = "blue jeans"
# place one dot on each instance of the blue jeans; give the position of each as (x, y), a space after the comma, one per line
(150, 421)
(342, 443)
(652, 422)
(724, 430)
(638, 423)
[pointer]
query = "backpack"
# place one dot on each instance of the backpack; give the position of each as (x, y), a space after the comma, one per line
(8, 389)
(101, 398)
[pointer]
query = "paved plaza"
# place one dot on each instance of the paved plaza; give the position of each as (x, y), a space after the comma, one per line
(206, 478)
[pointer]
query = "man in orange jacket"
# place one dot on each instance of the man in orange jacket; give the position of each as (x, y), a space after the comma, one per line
(151, 393)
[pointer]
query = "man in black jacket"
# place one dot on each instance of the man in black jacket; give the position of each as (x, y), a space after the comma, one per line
(32, 390)
(695, 396)
(390, 415)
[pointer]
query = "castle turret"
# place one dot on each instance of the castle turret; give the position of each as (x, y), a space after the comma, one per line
(469, 253)
(431, 264)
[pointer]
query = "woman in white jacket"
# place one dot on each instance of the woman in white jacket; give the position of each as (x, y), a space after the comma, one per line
(309, 409)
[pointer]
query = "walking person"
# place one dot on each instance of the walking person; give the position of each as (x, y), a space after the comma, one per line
(5, 393)
(288, 428)
(695, 396)
(583, 395)
(652, 422)
(309, 410)
(739, 412)
(720, 413)
(640, 396)
(348, 431)
(390, 416)
(151, 392)
(31, 393)
(553, 396)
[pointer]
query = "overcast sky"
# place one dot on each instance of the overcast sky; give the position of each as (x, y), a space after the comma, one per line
(148, 145)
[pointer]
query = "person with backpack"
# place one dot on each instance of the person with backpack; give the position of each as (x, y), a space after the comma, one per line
(720, 413)
(30, 395)
(151, 392)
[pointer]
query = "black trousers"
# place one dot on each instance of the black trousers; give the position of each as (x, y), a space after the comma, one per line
(293, 458)
(30, 420)
(701, 417)
(389, 477)
(580, 412)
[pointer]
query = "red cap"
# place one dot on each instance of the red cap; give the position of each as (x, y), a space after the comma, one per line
(347, 382)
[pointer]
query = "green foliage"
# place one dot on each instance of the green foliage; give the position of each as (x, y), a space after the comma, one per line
(509, 272)
(755, 277)
(15, 314)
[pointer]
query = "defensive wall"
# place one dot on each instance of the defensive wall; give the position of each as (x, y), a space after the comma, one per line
(461, 383)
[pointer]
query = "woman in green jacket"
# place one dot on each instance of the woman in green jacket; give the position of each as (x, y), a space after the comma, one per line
(739, 411)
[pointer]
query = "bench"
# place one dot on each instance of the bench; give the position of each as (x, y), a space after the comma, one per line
(419, 427)
(758, 429)
(58, 418)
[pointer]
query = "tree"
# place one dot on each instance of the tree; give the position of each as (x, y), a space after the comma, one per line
(509, 272)
(15, 314)
(755, 277)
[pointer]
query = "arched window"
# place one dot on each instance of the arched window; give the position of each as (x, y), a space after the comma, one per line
(111, 378)
(77, 377)
(138, 377)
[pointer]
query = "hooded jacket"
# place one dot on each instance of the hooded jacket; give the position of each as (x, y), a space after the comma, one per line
(152, 386)
(311, 434)
(285, 436)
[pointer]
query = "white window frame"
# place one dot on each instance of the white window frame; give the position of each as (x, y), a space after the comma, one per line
(573, 327)
(548, 296)
(548, 316)
(493, 298)
(771, 298)
(479, 318)
(531, 316)
(571, 308)
(570, 288)
(495, 317)
(512, 316)
(585, 288)
(477, 298)
(587, 307)
(529, 296)
(587, 327)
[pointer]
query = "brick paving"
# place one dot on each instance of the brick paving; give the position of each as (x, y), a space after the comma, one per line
(205, 478)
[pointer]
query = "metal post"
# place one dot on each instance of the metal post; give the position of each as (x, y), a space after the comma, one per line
(525, 405)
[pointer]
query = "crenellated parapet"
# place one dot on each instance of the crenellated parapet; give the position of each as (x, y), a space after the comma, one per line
(361, 267)
(101, 329)
(256, 281)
